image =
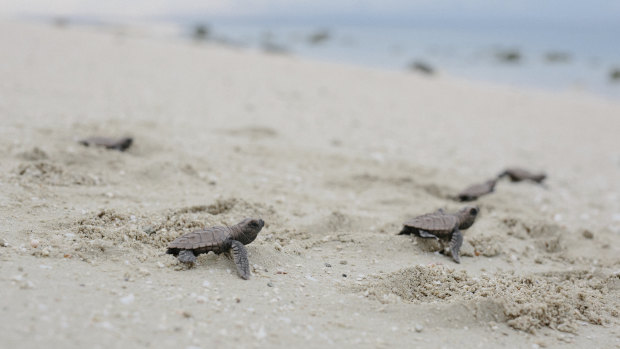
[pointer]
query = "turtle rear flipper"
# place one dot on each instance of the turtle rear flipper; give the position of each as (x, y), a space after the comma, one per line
(426, 235)
(187, 256)
(406, 231)
(455, 245)
(240, 256)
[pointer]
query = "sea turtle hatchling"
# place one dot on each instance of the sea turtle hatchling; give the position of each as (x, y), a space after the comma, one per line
(446, 227)
(120, 144)
(475, 191)
(517, 174)
(219, 239)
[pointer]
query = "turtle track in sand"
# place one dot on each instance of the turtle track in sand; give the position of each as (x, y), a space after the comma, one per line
(366, 181)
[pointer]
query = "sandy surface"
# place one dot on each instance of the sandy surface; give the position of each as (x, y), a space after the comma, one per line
(334, 159)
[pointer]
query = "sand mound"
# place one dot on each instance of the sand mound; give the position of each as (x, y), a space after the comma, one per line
(555, 300)
(35, 154)
(160, 228)
(51, 174)
(109, 231)
(486, 245)
(547, 237)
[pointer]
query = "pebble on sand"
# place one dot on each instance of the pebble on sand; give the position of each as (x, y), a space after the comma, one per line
(261, 333)
(128, 299)
(311, 278)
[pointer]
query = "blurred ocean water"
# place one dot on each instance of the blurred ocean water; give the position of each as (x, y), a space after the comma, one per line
(553, 57)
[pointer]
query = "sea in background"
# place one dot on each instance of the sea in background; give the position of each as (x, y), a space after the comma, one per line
(561, 57)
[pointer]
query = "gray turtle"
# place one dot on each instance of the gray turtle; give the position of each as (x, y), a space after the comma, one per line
(517, 174)
(219, 239)
(120, 144)
(446, 227)
(475, 191)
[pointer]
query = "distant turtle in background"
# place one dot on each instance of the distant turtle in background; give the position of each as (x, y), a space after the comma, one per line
(475, 191)
(446, 227)
(219, 239)
(120, 144)
(517, 174)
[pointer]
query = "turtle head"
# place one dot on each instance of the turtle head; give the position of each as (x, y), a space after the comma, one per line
(247, 230)
(467, 215)
(124, 143)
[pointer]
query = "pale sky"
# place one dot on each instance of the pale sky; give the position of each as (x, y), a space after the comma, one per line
(584, 10)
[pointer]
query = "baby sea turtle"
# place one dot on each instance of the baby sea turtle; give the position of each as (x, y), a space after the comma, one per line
(219, 239)
(120, 144)
(517, 174)
(446, 227)
(477, 190)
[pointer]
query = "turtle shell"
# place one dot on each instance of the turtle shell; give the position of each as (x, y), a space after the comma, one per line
(110, 143)
(435, 222)
(477, 190)
(216, 239)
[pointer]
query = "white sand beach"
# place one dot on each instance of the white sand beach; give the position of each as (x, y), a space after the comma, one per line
(334, 158)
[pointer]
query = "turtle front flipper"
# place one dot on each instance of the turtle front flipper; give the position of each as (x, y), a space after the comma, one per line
(187, 256)
(240, 256)
(455, 245)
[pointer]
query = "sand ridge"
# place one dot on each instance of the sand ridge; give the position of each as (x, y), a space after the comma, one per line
(556, 300)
